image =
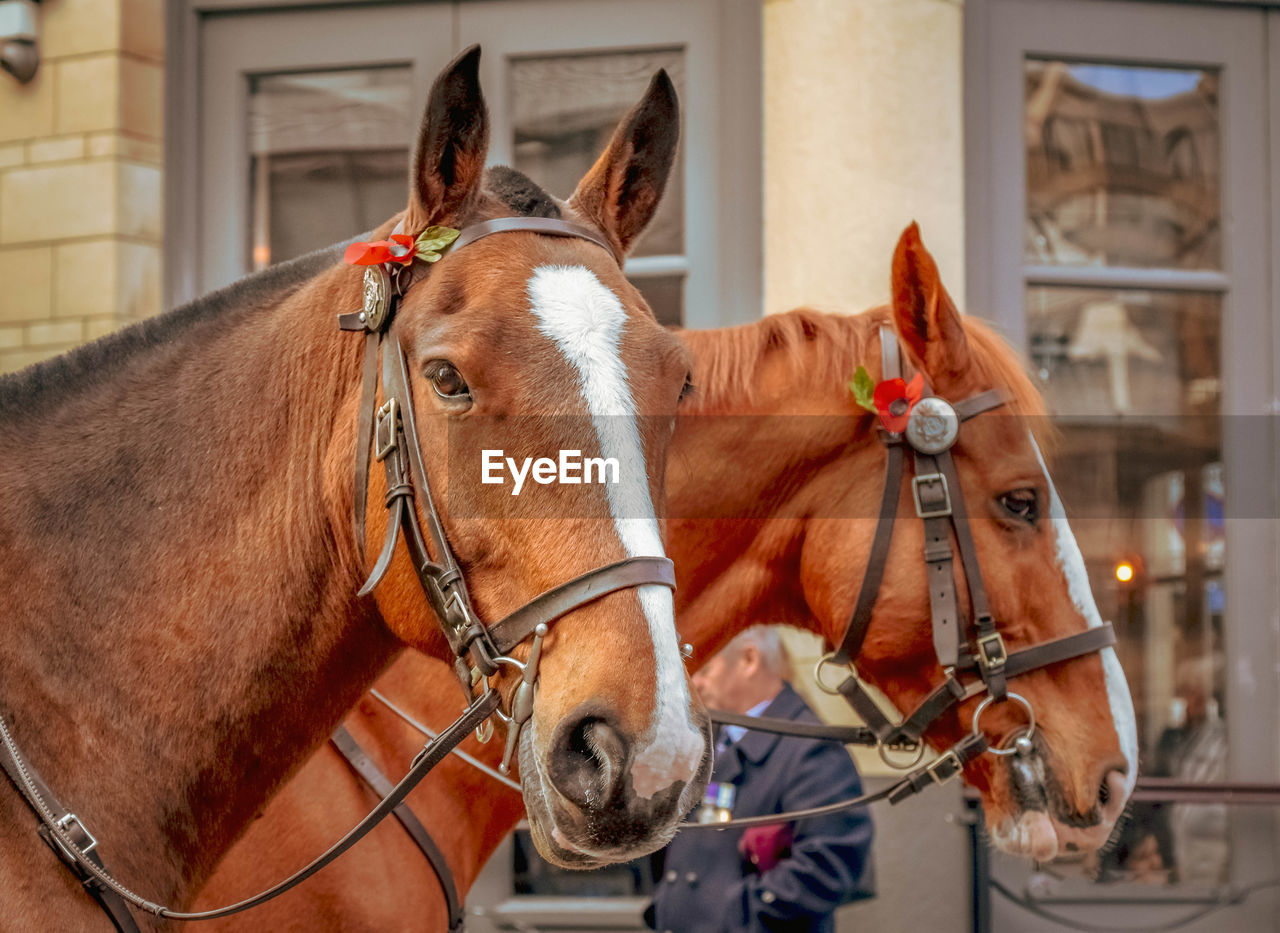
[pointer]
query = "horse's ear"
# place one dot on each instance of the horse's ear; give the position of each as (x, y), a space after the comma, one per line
(621, 191)
(924, 315)
(449, 162)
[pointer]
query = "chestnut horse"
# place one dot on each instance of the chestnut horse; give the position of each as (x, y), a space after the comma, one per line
(773, 518)
(181, 625)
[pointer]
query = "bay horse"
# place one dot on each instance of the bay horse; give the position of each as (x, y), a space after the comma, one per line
(772, 487)
(181, 625)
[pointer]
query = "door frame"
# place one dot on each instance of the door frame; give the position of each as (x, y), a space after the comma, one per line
(998, 33)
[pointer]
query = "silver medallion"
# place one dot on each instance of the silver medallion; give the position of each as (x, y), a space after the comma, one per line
(377, 296)
(933, 425)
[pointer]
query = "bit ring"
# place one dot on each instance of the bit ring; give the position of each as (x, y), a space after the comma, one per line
(1027, 733)
(898, 765)
(817, 674)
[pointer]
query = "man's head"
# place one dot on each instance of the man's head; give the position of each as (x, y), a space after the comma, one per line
(1193, 684)
(748, 671)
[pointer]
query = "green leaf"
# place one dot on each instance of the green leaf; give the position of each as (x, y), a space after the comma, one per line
(433, 241)
(864, 389)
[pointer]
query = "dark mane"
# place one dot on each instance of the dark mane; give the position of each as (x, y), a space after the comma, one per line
(519, 192)
(55, 379)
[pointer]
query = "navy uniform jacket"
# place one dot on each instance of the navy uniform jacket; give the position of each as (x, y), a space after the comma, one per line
(705, 886)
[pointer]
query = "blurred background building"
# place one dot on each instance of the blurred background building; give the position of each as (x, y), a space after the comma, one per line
(1100, 179)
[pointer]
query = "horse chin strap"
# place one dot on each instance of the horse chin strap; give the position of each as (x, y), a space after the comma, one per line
(967, 649)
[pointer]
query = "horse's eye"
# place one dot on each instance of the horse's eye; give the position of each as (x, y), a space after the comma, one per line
(447, 381)
(688, 388)
(1022, 504)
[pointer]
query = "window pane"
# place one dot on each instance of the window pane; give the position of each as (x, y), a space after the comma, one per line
(1135, 380)
(564, 109)
(665, 295)
(1122, 165)
(1144, 353)
(329, 157)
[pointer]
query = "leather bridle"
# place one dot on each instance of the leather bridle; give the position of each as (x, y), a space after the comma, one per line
(973, 656)
(388, 433)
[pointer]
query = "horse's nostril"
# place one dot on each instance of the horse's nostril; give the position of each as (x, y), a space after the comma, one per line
(588, 760)
(1111, 794)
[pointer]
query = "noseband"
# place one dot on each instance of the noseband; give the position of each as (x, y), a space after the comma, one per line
(388, 433)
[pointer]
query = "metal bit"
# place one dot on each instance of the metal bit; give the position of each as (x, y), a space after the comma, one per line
(522, 702)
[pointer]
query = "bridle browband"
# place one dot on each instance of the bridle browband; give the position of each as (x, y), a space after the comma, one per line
(388, 433)
(968, 651)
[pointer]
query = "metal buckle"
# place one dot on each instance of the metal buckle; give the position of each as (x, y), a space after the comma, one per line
(63, 825)
(917, 482)
(385, 433)
(991, 651)
(935, 766)
(918, 748)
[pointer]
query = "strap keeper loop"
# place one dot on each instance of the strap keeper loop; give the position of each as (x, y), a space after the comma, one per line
(933, 553)
(388, 423)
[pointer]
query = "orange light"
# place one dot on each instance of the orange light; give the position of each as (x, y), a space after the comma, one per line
(1124, 571)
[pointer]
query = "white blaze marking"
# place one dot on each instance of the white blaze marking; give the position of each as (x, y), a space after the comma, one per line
(586, 320)
(1072, 563)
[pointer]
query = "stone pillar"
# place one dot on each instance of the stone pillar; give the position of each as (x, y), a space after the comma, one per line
(80, 179)
(863, 134)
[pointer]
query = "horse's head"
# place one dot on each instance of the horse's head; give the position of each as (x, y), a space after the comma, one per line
(533, 345)
(1066, 795)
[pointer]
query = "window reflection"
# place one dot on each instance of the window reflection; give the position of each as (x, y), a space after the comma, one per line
(1122, 165)
(564, 109)
(1134, 377)
(328, 157)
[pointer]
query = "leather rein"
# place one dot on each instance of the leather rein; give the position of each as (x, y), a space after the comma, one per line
(388, 432)
(980, 656)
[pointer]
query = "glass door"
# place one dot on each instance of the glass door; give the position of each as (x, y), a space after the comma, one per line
(558, 92)
(306, 117)
(291, 127)
(1118, 230)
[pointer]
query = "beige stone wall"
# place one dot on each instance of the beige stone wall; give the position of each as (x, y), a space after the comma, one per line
(863, 134)
(80, 179)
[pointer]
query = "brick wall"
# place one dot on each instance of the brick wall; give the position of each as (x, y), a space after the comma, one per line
(80, 179)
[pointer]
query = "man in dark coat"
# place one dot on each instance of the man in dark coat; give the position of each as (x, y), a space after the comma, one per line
(789, 876)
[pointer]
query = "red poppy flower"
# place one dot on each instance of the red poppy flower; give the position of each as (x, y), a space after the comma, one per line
(403, 249)
(400, 248)
(894, 400)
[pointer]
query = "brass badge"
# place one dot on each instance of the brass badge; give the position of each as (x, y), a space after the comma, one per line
(377, 297)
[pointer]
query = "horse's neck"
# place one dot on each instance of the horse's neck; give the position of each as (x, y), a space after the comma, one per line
(180, 627)
(750, 463)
